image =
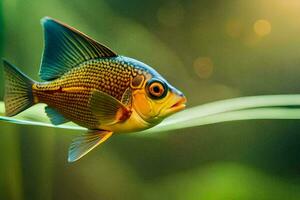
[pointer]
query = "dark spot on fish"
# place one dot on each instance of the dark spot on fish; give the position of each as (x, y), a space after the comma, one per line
(137, 81)
(125, 115)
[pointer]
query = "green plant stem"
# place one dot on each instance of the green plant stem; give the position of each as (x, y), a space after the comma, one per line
(243, 108)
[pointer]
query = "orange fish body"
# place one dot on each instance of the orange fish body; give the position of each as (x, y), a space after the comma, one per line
(70, 94)
(92, 86)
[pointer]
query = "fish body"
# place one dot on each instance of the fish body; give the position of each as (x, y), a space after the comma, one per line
(70, 94)
(90, 85)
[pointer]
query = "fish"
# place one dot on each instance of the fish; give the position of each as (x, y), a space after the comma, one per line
(87, 83)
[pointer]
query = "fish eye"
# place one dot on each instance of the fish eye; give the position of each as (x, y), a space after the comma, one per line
(157, 89)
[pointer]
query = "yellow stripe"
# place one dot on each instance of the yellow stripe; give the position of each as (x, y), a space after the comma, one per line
(74, 89)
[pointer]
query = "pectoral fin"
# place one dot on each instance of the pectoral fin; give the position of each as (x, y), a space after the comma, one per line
(81, 145)
(108, 109)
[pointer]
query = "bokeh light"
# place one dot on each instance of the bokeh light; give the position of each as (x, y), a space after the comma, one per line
(203, 67)
(262, 27)
(234, 28)
(251, 39)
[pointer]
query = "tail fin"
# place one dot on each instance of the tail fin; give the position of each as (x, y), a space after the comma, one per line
(18, 90)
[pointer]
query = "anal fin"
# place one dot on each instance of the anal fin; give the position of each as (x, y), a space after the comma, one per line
(81, 145)
(55, 117)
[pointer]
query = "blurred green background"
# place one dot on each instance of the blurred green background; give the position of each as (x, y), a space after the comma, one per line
(211, 50)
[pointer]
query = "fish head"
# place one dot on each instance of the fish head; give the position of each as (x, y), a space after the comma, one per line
(157, 99)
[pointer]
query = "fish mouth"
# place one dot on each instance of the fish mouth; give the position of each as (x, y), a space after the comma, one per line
(178, 106)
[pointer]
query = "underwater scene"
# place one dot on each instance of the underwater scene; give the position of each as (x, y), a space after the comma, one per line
(111, 99)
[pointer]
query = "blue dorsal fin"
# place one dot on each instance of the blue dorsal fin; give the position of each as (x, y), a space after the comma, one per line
(65, 48)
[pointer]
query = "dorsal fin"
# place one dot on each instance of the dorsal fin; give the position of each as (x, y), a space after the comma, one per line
(65, 48)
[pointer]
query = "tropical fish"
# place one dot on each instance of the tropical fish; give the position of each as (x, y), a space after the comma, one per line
(92, 86)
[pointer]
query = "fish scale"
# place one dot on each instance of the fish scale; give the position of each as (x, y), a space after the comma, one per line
(98, 75)
(70, 94)
(74, 107)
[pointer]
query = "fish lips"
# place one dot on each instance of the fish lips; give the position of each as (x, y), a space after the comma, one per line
(177, 106)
